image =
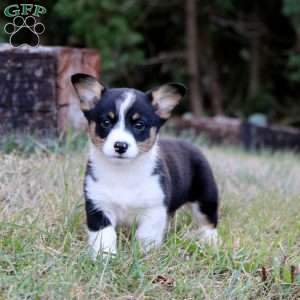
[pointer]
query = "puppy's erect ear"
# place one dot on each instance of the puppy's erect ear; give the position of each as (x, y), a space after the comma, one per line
(166, 97)
(88, 89)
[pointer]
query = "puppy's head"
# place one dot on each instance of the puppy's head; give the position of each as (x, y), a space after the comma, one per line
(123, 122)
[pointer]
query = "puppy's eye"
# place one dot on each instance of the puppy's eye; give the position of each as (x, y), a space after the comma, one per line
(105, 123)
(139, 125)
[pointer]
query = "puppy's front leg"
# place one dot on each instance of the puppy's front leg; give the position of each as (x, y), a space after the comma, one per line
(102, 241)
(151, 227)
(101, 233)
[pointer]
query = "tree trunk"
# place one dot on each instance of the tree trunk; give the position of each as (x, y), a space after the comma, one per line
(196, 100)
(254, 76)
(216, 93)
(215, 86)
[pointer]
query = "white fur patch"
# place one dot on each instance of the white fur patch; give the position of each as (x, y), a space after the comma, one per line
(209, 236)
(129, 98)
(152, 226)
(104, 240)
(127, 192)
(119, 132)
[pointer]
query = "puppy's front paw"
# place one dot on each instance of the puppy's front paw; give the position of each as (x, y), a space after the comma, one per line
(103, 253)
(103, 242)
(148, 245)
(209, 236)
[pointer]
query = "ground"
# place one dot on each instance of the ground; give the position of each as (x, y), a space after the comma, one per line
(43, 251)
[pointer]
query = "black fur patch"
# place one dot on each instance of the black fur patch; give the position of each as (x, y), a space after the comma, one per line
(186, 176)
(96, 219)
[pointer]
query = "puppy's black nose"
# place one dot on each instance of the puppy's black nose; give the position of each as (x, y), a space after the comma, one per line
(120, 147)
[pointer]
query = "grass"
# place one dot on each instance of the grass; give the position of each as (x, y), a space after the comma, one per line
(43, 251)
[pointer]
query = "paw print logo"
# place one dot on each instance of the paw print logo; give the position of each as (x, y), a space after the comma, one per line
(22, 29)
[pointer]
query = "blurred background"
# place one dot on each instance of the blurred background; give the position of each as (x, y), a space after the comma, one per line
(238, 58)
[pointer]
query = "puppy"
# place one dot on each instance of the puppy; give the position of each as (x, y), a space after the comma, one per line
(131, 175)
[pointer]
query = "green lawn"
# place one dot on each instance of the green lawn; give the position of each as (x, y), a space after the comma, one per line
(43, 251)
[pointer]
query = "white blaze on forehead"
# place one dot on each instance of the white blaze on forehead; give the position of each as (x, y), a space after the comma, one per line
(129, 98)
(119, 132)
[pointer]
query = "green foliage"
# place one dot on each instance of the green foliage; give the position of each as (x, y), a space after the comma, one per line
(294, 67)
(291, 8)
(3, 20)
(107, 25)
(225, 5)
(3, 36)
(261, 103)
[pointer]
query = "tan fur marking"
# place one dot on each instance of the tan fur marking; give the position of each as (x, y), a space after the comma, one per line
(96, 140)
(135, 116)
(111, 115)
(146, 145)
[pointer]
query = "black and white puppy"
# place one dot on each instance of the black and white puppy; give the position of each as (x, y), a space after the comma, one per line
(132, 176)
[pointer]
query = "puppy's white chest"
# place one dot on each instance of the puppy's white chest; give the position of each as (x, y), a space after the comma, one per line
(125, 196)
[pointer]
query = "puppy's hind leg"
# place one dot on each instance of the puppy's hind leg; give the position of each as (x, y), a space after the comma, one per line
(206, 203)
(207, 229)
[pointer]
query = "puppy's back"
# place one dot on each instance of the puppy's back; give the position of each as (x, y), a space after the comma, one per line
(187, 173)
